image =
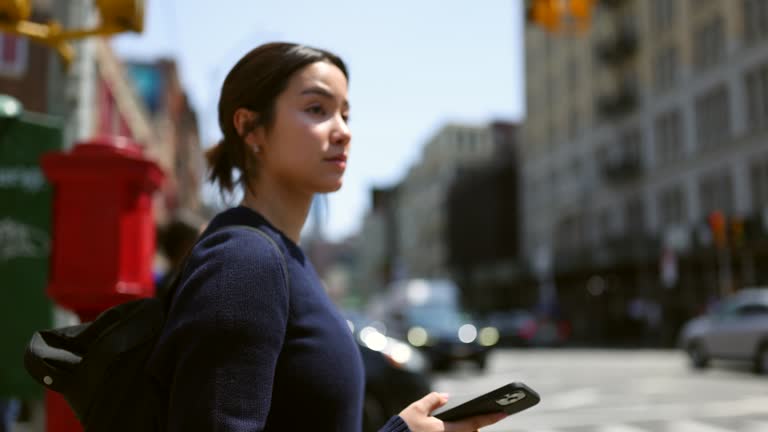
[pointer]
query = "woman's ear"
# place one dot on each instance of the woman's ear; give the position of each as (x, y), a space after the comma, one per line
(245, 122)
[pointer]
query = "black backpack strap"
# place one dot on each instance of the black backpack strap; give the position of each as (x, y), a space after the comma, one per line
(170, 293)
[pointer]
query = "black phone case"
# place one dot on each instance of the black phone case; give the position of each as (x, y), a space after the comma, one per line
(511, 398)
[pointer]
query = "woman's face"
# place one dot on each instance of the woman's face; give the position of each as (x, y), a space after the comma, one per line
(307, 146)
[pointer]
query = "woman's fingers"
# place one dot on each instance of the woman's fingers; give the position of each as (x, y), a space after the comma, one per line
(417, 415)
(431, 402)
(474, 423)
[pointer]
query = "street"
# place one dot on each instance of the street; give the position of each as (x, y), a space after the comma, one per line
(618, 391)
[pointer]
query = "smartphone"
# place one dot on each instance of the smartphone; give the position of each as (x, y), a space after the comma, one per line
(511, 398)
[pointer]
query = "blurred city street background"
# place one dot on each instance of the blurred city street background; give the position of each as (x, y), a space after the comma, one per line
(619, 391)
(568, 193)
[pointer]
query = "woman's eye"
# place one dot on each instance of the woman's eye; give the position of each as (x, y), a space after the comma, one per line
(316, 109)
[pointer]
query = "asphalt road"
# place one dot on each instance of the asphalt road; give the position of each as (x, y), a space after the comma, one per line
(618, 391)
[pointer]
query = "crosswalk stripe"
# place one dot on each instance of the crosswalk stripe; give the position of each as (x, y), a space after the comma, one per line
(693, 426)
(546, 430)
(620, 428)
(756, 426)
(571, 399)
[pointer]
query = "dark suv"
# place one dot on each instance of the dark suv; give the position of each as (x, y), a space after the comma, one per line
(446, 335)
(395, 374)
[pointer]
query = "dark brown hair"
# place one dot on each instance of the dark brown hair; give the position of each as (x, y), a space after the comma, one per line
(254, 83)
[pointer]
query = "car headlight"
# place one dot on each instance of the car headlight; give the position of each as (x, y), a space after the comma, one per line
(489, 336)
(403, 356)
(467, 333)
(373, 339)
(418, 336)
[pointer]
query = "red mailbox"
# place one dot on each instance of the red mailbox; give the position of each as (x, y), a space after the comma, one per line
(103, 226)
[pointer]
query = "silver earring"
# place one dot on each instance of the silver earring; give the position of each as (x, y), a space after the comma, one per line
(256, 149)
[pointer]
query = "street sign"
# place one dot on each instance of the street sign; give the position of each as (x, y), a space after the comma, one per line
(25, 217)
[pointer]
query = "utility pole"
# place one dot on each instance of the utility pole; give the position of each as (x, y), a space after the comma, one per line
(71, 91)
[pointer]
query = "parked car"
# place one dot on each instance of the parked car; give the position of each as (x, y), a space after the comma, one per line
(550, 332)
(395, 374)
(446, 335)
(519, 327)
(428, 314)
(516, 327)
(736, 329)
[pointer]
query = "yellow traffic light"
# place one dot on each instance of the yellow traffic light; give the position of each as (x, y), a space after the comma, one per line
(116, 16)
(557, 15)
(15, 10)
(581, 10)
(122, 15)
(546, 13)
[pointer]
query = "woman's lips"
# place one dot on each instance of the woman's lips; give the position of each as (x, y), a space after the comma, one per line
(340, 161)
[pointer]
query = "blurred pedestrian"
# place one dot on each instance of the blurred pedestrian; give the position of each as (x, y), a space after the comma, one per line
(176, 239)
(9, 413)
(246, 348)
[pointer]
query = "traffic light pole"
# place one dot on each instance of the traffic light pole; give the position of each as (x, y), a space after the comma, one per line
(725, 273)
(71, 97)
(71, 91)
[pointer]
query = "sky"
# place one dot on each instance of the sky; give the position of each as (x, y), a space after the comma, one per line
(414, 66)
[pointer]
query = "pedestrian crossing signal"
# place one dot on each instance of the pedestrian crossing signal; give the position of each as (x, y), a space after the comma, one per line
(718, 228)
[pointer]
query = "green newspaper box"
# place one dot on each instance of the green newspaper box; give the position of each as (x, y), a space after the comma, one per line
(25, 221)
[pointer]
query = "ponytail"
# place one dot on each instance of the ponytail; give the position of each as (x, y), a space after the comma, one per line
(220, 165)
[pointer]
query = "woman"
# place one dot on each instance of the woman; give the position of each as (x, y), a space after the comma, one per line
(246, 346)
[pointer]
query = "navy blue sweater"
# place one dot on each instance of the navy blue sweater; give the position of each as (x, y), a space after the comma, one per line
(242, 350)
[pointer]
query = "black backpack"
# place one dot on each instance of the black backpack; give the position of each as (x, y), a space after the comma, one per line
(99, 367)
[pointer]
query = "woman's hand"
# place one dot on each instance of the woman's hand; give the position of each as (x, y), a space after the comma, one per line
(417, 417)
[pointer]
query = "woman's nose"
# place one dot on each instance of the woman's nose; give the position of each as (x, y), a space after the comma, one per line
(342, 135)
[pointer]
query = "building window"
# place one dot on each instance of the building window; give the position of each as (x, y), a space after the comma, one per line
(716, 193)
(756, 83)
(601, 153)
(759, 179)
(634, 216)
(552, 131)
(669, 137)
(554, 181)
(14, 51)
(755, 13)
(574, 77)
(709, 43)
(662, 14)
(713, 118)
(575, 123)
(665, 68)
(576, 168)
(570, 230)
(605, 220)
(632, 145)
(672, 206)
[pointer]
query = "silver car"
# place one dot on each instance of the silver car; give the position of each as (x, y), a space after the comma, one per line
(736, 329)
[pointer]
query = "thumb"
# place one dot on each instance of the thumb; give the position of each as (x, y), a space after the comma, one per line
(431, 402)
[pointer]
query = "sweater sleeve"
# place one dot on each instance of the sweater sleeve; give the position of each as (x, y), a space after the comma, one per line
(226, 329)
(395, 424)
